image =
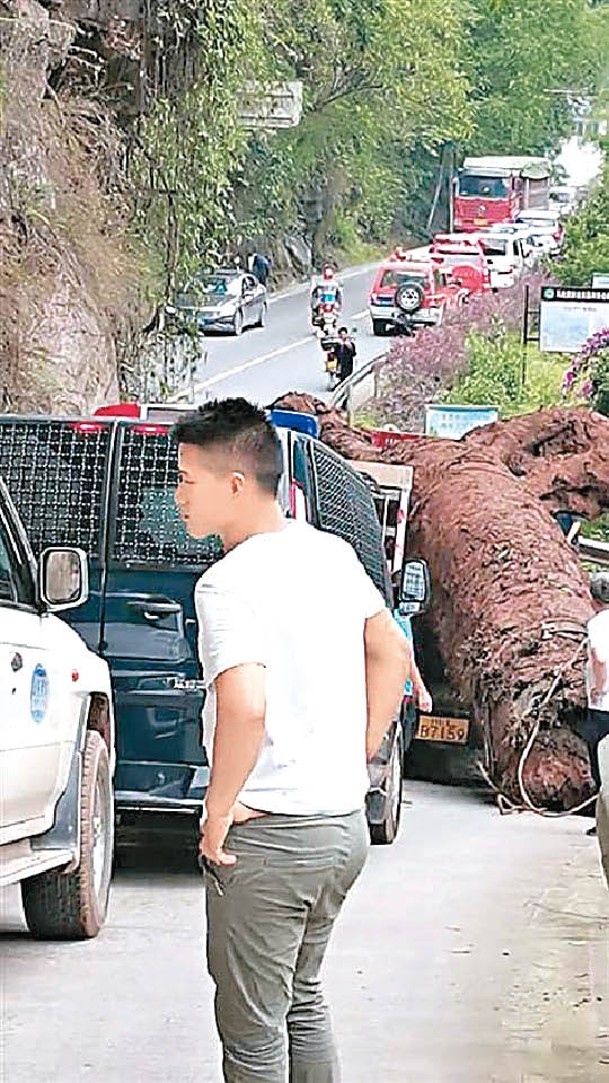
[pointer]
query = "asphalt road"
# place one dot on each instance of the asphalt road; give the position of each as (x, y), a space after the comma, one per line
(475, 950)
(284, 356)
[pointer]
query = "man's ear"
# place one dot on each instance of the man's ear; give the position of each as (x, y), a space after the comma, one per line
(237, 482)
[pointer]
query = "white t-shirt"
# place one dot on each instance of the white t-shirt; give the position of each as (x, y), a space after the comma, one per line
(598, 641)
(295, 601)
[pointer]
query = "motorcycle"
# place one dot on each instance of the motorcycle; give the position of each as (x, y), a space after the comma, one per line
(328, 345)
(325, 305)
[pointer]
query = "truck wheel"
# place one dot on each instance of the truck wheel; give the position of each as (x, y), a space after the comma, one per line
(72, 906)
(384, 833)
(378, 327)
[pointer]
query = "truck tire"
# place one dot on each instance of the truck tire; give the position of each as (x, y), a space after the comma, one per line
(384, 833)
(72, 906)
(379, 327)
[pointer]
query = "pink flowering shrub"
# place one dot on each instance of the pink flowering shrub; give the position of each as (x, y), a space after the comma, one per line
(587, 377)
(421, 368)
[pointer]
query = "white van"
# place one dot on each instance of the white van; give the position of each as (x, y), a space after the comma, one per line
(507, 254)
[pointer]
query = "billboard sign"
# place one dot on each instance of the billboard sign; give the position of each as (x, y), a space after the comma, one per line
(569, 315)
(451, 421)
(271, 107)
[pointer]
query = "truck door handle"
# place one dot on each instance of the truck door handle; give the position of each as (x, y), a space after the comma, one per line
(154, 611)
(16, 662)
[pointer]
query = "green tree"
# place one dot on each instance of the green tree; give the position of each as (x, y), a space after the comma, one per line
(525, 59)
(586, 247)
(383, 83)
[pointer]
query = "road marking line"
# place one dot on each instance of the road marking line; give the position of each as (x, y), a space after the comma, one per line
(262, 358)
(238, 369)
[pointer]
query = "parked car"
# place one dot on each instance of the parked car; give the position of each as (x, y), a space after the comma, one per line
(106, 485)
(227, 300)
(408, 293)
(545, 227)
(56, 739)
(464, 255)
(563, 199)
(506, 254)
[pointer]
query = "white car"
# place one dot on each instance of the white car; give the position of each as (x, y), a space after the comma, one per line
(563, 199)
(545, 227)
(506, 254)
(57, 742)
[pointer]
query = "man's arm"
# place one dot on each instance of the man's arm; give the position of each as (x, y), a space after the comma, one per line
(600, 674)
(422, 695)
(238, 737)
(387, 668)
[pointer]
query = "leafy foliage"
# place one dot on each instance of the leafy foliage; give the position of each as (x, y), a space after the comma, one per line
(588, 374)
(475, 357)
(526, 59)
(586, 248)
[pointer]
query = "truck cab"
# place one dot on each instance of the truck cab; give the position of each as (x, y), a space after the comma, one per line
(494, 189)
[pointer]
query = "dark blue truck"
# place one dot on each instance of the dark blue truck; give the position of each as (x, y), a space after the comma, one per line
(107, 486)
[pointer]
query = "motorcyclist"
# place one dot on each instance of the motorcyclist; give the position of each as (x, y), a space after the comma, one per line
(328, 291)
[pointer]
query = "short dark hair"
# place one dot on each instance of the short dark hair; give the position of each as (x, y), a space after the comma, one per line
(345, 329)
(242, 430)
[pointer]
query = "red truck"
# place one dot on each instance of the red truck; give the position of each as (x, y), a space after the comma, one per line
(465, 257)
(497, 188)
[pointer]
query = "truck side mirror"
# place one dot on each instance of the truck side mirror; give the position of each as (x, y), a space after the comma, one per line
(63, 578)
(415, 592)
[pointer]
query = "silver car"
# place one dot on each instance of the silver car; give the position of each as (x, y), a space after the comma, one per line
(226, 300)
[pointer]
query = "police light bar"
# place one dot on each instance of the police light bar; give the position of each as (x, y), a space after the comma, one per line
(296, 420)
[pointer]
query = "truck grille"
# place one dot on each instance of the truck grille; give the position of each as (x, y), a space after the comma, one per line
(56, 474)
(148, 529)
(346, 508)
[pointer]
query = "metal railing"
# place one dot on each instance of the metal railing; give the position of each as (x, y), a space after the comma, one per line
(345, 394)
(596, 551)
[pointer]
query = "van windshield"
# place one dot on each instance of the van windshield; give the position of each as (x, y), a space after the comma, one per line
(488, 187)
(496, 247)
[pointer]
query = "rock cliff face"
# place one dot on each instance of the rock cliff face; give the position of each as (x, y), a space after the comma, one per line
(67, 274)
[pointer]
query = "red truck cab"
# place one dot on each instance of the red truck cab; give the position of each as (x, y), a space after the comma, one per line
(495, 189)
(465, 257)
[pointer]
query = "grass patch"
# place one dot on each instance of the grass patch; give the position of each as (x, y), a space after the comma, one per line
(499, 373)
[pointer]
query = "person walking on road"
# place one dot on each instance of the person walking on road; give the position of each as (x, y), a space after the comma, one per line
(261, 268)
(345, 354)
(304, 668)
(596, 729)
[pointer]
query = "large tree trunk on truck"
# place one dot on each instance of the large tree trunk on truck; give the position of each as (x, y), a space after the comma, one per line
(510, 598)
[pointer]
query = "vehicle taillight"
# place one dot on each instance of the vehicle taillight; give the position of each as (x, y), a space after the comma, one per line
(87, 428)
(151, 430)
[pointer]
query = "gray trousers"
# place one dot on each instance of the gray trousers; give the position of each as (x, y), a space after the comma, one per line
(269, 920)
(602, 805)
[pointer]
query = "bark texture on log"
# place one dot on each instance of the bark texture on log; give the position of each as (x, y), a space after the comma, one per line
(510, 598)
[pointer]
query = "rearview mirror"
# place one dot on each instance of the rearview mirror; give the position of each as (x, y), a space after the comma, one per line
(63, 578)
(415, 592)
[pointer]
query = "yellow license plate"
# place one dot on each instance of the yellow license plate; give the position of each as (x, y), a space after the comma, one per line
(481, 221)
(453, 731)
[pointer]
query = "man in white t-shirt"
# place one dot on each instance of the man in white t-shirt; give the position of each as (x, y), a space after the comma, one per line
(304, 670)
(597, 728)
